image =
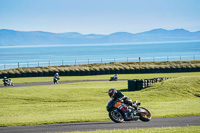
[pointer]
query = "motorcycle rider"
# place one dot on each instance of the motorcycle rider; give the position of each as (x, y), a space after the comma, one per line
(56, 76)
(5, 79)
(117, 96)
(115, 76)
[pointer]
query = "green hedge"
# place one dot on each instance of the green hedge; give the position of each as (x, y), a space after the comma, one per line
(108, 68)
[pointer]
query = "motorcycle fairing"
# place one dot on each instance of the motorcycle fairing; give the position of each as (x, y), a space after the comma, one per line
(120, 105)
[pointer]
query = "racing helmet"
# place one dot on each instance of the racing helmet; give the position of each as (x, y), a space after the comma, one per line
(112, 92)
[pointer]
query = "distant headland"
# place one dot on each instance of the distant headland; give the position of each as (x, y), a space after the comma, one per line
(26, 38)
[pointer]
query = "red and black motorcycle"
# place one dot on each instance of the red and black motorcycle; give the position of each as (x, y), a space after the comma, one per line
(117, 110)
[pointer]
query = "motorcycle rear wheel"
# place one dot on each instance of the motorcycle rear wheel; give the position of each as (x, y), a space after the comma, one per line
(145, 116)
(55, 81)
(116, 116)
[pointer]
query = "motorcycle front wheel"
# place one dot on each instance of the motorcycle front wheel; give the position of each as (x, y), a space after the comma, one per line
(145, 115)
(116, 116)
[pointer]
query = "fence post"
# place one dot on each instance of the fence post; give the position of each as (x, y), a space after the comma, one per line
(139, 62)
(88, 61)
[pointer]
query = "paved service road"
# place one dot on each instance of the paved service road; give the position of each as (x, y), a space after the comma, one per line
(105, 125)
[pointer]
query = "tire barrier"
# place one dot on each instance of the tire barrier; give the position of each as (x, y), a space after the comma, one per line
(139, 84)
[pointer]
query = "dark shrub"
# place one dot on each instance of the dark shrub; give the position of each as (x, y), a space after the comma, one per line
(61, 72)
(132, 70)
(40, 73)
(67, 72)
(45, 72)
(11, 74)
(92, 72)
(17, 73)
(107, 71)
(117, 71)
(102, 71)
(112, 70)
(87, 72)
(35, 73)
(82, 72)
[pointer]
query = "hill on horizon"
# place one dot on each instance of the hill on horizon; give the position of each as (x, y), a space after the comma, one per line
(26, 38)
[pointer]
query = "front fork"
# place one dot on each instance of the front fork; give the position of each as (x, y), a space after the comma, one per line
(134, 115)
(131, 113)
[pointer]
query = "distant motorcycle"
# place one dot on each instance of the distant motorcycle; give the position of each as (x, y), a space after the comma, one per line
(116, 111)
(55, 80)
(113, 79)
(8, 82)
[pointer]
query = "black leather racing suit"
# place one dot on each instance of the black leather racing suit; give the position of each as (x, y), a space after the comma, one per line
(119, 96)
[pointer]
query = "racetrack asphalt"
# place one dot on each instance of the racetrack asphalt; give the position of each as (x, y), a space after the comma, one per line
(51, 83)
(104, 125)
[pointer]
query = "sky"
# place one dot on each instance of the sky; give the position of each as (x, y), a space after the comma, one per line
(99, 16)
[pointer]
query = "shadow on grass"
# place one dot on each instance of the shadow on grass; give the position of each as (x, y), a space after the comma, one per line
(123, 90)
(126, 90)
(197, 95)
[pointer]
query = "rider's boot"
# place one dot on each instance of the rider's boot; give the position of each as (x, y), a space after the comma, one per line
(127, 116)
(135, 106)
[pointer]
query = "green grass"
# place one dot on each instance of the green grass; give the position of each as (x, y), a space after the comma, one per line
(86, 101)
(101, 77)
(189, 129)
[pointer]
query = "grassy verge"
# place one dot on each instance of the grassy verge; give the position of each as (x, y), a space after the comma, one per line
(79, 102)
(101, 77)
(189, 129)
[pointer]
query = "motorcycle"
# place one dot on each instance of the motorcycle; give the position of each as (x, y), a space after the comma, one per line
(55, 80)
(8, 82)
(118, 109)
(113, 79)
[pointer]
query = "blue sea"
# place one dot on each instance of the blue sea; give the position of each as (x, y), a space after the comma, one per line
(29, 56)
